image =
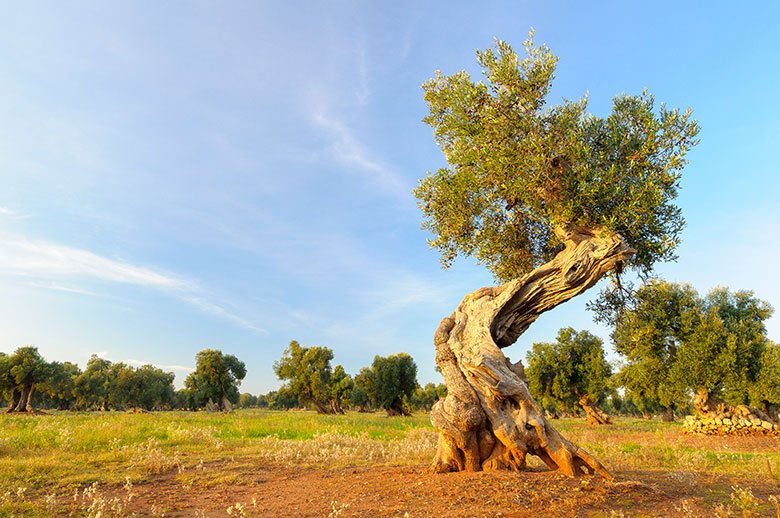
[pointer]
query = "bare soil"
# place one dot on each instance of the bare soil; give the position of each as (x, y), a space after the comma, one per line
(271, 491)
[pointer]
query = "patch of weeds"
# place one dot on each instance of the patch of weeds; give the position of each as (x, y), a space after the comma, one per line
(743, 498)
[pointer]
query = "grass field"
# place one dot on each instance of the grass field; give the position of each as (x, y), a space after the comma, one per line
(96, 464)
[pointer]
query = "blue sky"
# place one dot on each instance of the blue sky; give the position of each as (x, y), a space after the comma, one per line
(235, 175)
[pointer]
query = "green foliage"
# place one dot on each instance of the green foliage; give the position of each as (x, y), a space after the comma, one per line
(567, 369)
(307, 373)
(674, 341)
(58, 390)
(359, 398)
(518, 170)
(649, 336)
(425, 397)
(341, 385)
(216, 375)
(92, 386)
(724, 352)
(282, 399)
(392, 379)
(247, 400)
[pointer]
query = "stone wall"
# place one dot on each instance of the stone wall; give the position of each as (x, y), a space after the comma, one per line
(729, 424)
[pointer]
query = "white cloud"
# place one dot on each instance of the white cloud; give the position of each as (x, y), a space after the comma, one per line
(50, 259)
(46, 261)
(346, 148)
(213, 309)
(5, 211)
(58, 287)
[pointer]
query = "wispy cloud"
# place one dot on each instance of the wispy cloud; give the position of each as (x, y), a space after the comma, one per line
(347, 149)
(5, 211)
(49, 262)
(213, 309)
(44, 258)
(59, 287)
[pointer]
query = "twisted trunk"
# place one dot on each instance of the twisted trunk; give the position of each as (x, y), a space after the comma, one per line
(335, 407)
(21, 399)
(16, 395)
(489, 419)
(668, 415)
(593, 413)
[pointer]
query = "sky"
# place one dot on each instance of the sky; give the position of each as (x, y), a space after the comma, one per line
(176, 176)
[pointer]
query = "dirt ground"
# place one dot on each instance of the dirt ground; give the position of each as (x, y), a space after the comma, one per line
(414, 492)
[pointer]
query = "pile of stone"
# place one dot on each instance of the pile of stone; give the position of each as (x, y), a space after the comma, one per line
(729, 424)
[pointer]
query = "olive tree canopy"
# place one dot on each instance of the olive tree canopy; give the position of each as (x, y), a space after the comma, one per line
(520, 172)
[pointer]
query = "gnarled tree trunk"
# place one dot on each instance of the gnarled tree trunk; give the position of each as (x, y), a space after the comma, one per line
(593, 413)
(668, 415)
(335, 407)
(21, 399)
(489, 419)
(16, 396)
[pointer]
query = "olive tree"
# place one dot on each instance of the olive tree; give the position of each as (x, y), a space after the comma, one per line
(216, 379)
(393, 379)
(307, 373)
(571, 372)
(550, 199)
(19, 374)
(648, 335)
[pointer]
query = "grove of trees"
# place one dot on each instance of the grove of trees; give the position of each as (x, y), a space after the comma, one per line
(390, 383)
(712, 350)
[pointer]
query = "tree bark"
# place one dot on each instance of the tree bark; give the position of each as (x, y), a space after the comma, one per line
(335, 406)
(668, 415)
(21, 400)
(489, 419)
(16, 395)
(593, 413)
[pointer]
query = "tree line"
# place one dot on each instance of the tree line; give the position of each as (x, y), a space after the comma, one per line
(678, 350)
(28, 381)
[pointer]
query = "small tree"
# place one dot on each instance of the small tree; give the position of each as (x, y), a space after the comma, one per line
(20, 372)
(571, 371)
(393, 379)
(341, 386)
(723, 355)
(307, 373)
(247, 400)
(676, 341)
(216, 378)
